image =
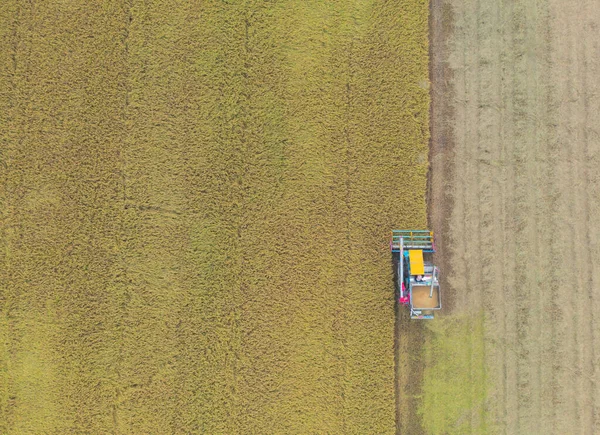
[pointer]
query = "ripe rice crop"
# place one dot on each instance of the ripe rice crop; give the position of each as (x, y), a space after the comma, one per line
(196, 201)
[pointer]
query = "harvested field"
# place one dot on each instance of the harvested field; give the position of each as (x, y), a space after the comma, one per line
(515, 191)
(196, 200)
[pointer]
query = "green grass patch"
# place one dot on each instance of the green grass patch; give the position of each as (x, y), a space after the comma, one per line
(455, 383)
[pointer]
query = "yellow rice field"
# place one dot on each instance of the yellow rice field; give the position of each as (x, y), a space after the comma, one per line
(196, 200)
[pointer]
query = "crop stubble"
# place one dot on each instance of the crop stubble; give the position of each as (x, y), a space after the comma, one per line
(521, 211)
(196, 202)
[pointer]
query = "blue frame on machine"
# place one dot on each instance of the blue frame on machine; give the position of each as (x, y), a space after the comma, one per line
(413, 239)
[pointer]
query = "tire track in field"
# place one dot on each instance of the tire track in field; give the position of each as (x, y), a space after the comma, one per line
(476, 274)
(548, 292)
(543, 292)
(504, 289)
(568, 392)
(544, 161)
(458, 244)
(512, 369)
(491, 196)
(576, 112)
(467, 214)
(593, 136)
(590, 91)
(519, 232)
(487, 275)
(471, 225)
(529, 161)
(591, 87)
(519, 235)
(581, 230)
(571, 193)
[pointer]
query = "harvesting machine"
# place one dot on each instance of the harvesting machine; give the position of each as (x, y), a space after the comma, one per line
(418, 278)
